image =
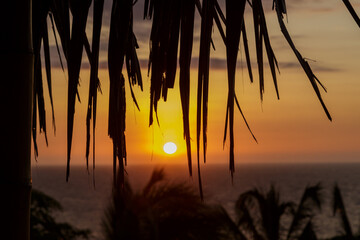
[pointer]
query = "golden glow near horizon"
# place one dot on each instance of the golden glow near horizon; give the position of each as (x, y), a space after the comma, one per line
(290, 130)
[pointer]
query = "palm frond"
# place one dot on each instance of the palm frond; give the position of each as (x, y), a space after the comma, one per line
(56, 40)
(186, 41)
(79, 10)
(339, 208)
(352, 12)
(60, 14)
(234, 21)
(48, 72)
(94, 80)
(246, 220)
(259, 213)
(164, 40)
(243, 116)
(156, 213)
(246, 49)
(279, 7)
(122, 47)
(40, 34)
(308, 233)
(172, 19)
(207, 11)
(310, 201)
(262, 36)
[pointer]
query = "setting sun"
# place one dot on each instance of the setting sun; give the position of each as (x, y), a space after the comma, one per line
(170, 147)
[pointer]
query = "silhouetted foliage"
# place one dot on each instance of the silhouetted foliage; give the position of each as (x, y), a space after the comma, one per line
(339, 210)
(172, 28)
(164, 210)
(259, 214)
(43, 225)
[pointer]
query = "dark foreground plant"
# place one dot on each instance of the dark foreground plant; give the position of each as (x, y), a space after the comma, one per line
(43, 225)
(163, 210)
(259, 214)
(339, 210)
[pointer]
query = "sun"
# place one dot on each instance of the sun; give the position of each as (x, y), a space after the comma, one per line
(170, 148)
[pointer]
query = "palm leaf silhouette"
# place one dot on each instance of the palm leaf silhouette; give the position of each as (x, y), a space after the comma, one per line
(234, 21)
(186, 41)
(308, 233)
(352, 11)
(122, 44)
(79, 10)
(94, 80)
(172, 22)
(73, 44)
(155, 212)
(310, 201)
(280, 10)
(259, 214)
(40, 34)
(339, 208)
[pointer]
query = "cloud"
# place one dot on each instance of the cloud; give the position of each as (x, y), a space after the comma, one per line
(315, 67)
(312, 6)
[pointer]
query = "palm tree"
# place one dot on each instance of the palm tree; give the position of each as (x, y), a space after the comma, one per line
(20, 45)
(259, 214)
(163, 210)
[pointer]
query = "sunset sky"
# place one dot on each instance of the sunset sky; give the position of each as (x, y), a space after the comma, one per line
(292, 129)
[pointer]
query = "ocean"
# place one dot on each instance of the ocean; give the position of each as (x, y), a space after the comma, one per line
(84, 203)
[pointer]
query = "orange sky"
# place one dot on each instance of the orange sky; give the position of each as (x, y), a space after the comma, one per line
(294, 129)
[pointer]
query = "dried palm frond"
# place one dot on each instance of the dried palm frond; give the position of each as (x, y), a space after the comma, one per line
(122, 45)
(164, 40)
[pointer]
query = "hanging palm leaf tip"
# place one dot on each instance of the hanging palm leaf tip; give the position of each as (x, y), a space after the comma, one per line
(171, 17)
(280, 9)
(207, 12)
(58, 10)
(234, 21)
(79, 10)
(262, 36)
(235, 25)
(122, 44)
(40, 34)
(352, 12)
(94, 80)
(163, 48)
(186, 41)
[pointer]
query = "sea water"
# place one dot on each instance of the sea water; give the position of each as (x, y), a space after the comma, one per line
(84, 202)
